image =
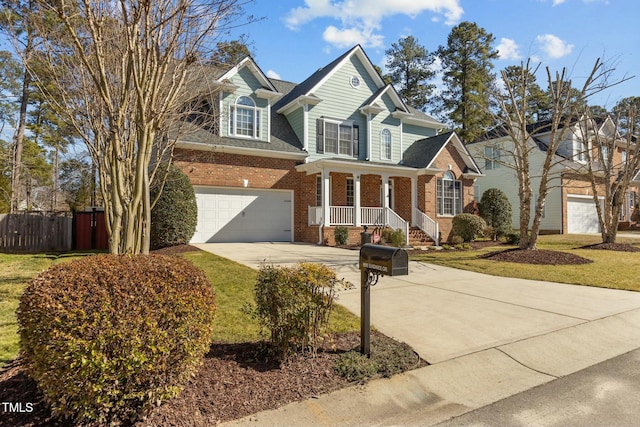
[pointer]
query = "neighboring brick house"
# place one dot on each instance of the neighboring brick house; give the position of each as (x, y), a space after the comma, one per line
(287, 162)
(569, 206)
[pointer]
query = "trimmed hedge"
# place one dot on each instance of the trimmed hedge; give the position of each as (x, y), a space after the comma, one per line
(468, 226)
(107, 337)
(175, 215)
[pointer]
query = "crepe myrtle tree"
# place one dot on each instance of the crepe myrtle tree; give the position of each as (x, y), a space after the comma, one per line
(612, 160)
(121, 73)
(566, 104)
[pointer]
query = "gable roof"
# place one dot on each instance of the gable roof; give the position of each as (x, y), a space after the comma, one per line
(249, 63)
(305, 91)
(307, 87)
(423, 153)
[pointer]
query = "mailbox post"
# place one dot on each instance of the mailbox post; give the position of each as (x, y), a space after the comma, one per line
(376, 261)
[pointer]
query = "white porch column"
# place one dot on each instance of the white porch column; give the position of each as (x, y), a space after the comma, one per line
(305, 131)
(356, 199)
(385, 191)
(368, 156)
(414, 200)
(326, 197)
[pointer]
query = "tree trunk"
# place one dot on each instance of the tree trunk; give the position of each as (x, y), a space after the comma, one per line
(19, 141)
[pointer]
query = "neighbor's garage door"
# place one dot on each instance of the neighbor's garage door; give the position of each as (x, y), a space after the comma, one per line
(582, 216)
(243, 215)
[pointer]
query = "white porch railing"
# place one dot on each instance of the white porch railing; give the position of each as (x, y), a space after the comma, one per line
(345, 215)
(426, 224)
(341, 215)
(315, 215)
(372, 216)
(396, 222)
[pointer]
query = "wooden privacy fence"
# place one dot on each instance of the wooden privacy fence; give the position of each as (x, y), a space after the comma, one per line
(35, 232)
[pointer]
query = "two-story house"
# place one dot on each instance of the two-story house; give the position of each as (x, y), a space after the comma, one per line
(569, 206)
(290, 162)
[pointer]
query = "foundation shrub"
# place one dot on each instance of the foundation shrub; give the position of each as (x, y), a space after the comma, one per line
(175, 215)
(108, 337)
(468, 226)
(294, 304)
(341, 235)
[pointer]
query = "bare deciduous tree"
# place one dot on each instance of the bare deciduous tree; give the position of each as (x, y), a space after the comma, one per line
(119, 72)
(565, 103)
(611, 163)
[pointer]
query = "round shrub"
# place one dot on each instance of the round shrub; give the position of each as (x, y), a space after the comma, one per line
(107, 337)
(175, 214)
(495, 209)
(468, 226)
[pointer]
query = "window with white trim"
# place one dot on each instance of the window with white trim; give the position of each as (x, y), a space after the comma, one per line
(244, 118)
(580, 151)
(337, 137)
(318, 190)
(385, 144)
(449, 195)
(491, 157)
(350, 192)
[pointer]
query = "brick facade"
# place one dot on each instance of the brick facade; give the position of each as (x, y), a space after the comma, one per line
(210, 168)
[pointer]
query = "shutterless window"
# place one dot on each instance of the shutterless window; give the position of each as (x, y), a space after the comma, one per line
(385, 144)
(318, 190)
(491, 157)
(449, 195)
(244, 118)
(350, 192)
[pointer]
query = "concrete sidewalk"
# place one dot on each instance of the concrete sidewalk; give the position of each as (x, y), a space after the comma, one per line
(486, 337)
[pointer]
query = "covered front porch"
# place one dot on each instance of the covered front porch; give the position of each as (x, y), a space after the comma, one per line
(355, 194)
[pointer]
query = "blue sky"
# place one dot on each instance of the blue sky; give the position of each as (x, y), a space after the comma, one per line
(296, 37)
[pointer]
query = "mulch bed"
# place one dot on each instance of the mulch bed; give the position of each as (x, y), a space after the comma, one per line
(175, 250)
(537, 256)
(234, 381)
(622, 247)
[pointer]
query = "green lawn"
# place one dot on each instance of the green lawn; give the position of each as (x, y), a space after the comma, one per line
(15, 273)
(610, 269)
(233, 283)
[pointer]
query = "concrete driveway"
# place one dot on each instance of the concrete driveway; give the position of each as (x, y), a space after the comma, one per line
(444, 313)
(487, 338)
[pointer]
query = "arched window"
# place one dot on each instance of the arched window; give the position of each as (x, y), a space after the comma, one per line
(244, 118)
(449, 195)
(385, 144)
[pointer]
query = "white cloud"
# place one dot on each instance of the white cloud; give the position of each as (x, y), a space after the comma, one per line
(273, 75)
(557, 2)
(348, 37)
(553, 46)
(508, 49)
(361, 19)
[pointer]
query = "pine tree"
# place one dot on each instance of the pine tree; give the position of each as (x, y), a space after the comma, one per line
(467, 64)
(409, 66)
(523, 80)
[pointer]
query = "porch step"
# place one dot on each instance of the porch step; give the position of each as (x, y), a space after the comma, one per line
(417, 237)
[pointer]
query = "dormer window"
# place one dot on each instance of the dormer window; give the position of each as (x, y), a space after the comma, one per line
(244, 118)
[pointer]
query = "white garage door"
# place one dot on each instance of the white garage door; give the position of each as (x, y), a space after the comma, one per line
(243, 215)
(582, 216)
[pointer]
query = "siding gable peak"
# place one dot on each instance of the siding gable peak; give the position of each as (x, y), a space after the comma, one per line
(267, 90)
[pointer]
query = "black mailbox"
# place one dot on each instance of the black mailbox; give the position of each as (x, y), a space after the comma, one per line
(384, 260)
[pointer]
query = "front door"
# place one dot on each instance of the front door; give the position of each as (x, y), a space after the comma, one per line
(390, 195)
